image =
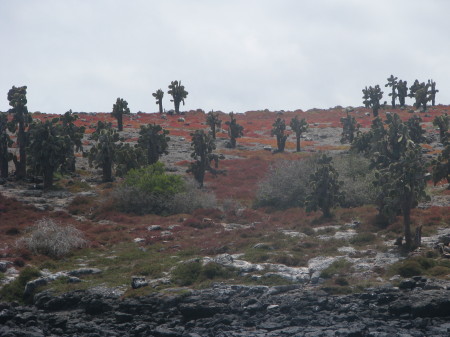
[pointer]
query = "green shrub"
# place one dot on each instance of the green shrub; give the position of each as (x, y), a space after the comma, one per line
(150, 190)
(186, 274)
(338, 267)
(439, 271)
(420, 265)
(154, 179)
(14, 291)
(213, 271)
(410, 268)
(341, 281)
(361, 239)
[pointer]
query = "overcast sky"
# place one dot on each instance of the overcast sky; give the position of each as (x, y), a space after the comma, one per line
(231, 55)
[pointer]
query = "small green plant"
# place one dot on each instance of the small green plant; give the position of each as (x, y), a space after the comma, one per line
(362, 239)
(14, 291)
(186, 274)
(338, 267)
(420, 265)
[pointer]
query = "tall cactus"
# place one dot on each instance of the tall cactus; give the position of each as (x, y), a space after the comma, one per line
(47, 149)
(443, 123)
(372, 97)
(103, 153)
(120, 109)
(349, 128)
(299, 127)
(392, 82)
(422, 95)
(203, 146)
(414, 87)
(154, 140)
(278, 130)
(178, 94)
(159, 94)
(213, 120)
(234, 130)
(433, 92)
(75, 138)
(5, 143)
(402, 92)
(17, 98)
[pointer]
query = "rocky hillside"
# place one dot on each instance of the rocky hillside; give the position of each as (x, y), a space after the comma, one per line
(233, 268)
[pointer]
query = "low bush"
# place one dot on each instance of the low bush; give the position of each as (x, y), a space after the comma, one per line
(287, 184)
(362, 239)
(53, 239)
(357, 177)
(410, 268)
(338, 267)
(186, 274)
(420, 265)
(151, 190)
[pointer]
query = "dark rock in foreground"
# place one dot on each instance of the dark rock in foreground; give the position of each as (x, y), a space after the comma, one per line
(235, 311)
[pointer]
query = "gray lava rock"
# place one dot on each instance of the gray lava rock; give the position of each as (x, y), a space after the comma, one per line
(224, 310)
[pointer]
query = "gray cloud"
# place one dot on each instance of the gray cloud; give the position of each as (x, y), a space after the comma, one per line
(231, 55)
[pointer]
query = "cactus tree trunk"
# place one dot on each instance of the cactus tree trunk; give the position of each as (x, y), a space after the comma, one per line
(4, 167)
(120, 122)
(107, 171)
(48, 178)
(177, 106)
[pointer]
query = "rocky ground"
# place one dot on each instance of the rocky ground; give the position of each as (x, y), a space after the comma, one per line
(418, 307)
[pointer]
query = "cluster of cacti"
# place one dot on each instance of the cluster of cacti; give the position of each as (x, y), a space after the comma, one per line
(372, 97)
(401, 172)
(278, 130)
(234, 130)
(178, 93)
(421, 92)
